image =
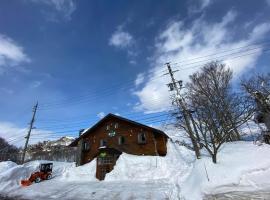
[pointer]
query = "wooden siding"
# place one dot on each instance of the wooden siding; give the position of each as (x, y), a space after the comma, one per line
(155, 142)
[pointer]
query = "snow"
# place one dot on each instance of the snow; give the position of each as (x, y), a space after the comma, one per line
(143, 168)
(238, 164)
(85, 172)
(4, 166)
(242, 166)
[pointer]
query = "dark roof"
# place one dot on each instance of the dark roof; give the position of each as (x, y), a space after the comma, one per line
(110, 115)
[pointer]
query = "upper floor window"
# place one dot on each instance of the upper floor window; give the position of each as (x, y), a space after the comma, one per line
(121, 140)
(108, 127)
(141, 138)
(86, 146)
(116, 125)
(103, 143)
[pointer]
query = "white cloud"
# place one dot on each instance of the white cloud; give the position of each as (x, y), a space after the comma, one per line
(180, 43)
(36, 84)
(204, 3)
(16, 135)
(139, 80)
(268, 2)
(101, 115)
(121, 39)
(132, 62)
(198, 5)
(64, 7)
(6, 91)
(11, 54)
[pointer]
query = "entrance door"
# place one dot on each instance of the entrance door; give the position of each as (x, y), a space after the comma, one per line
(104, 165)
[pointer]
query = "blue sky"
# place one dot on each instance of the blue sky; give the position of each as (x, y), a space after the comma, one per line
(83, 59)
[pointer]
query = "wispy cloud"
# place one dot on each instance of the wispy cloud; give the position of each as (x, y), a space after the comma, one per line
(15, 135)
(139, 80)
(36, 84)
(268, 2)
(11, 54)
(6, 91)
(181, 43)
(64, 8)
(101, 115)
(121, 39)
(198, 6)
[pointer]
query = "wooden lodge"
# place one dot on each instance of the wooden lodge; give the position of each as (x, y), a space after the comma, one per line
(111, 136)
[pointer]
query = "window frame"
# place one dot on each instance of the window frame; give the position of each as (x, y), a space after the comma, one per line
(86, 146)
(140, 138)
(121, 140)
(103, 143)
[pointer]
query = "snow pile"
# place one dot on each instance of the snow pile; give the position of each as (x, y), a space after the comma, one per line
(12, 175)
(241, 166)
(4, 166)
(85, 172)
(144, 168)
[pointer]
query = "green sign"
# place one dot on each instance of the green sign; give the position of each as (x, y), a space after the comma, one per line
(103, 154)
(111, 134)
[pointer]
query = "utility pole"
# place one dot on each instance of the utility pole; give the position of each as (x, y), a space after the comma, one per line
(181, 104)
(29, 131)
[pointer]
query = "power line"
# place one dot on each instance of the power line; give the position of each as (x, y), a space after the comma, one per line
(83, 123)
(234, 57)
(224, 51)
(47, 106)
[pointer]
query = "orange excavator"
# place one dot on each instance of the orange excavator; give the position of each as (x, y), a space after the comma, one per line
(44, 173)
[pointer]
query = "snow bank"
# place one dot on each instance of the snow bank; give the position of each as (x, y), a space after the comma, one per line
(144, 168)
(85, 172)
(4, 166)
(12, 174)
(240, 167)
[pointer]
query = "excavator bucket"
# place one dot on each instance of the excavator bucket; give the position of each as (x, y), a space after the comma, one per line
(25, 183)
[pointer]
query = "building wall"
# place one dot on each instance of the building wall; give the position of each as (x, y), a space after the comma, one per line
(155, 143)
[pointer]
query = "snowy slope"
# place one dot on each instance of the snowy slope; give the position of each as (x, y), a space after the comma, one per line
(241, 166)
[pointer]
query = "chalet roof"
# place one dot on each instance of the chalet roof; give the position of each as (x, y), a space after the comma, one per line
(110, 115)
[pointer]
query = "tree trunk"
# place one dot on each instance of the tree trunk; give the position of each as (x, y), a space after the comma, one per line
(214, 158)
(196, 149)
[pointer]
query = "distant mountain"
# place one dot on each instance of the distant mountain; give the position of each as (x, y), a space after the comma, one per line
(61, 143)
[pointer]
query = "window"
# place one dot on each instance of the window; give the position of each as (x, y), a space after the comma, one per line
(103, 143)
(86, 146)
(105, 160)
(116, 125)
(108, 127)
(121, 140)
(141, 138)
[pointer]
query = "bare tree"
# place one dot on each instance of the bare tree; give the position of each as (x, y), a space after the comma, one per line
(5, 147)
(217, 112)
(8, 151)
(258, 88)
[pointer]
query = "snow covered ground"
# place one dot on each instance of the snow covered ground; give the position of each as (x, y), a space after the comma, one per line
(242, 166)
